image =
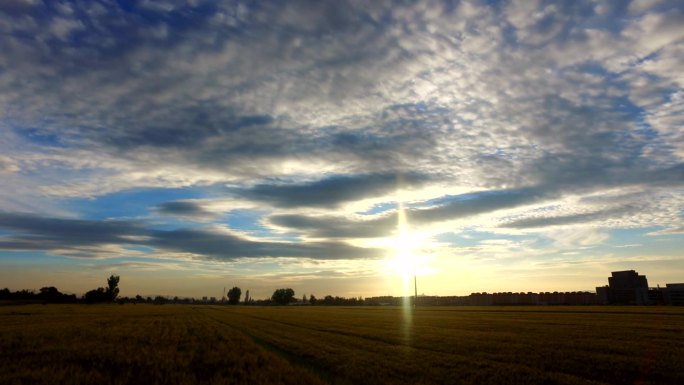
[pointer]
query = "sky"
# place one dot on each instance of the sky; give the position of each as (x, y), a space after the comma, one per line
(340, 147)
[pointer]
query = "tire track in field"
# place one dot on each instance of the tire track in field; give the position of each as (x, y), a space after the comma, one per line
(323, 374)
(349, 334)
(270, 333)
(422, 350)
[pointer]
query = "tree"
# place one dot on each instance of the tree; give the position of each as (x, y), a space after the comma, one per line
(49, 294)
(104, 295)
(283, 296)
(234, 295)
(312, 299)
(112, 287)
(96, 296)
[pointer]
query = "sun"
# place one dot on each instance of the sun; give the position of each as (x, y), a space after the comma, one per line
(406, 244)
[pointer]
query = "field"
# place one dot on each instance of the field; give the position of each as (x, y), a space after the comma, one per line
(182, 344)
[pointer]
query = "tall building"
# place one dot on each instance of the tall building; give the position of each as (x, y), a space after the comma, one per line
(624, 288)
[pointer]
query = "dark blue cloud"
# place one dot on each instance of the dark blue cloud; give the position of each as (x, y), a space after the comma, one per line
(109, 29)
(191, 127)
(333, 227)
(612, 213)
(224, 246)
(333, 190)
(451, 208)
(69, 236)
(183, 209)
(44, 233)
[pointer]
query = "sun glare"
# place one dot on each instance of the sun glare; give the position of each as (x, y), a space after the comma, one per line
(405, 261)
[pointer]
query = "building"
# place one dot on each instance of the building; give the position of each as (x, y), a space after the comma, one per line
(602, 297)
(674, 294)
(624, 288)
(656, 296)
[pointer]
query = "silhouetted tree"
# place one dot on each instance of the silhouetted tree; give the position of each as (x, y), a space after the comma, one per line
(247, 297)
(45, 295)
(49, 294)
(104, 295)
(283, 296)
(312, 299)
(234, 295)
(329, 300)
(113, 287)
(96, 296)
(52, 295)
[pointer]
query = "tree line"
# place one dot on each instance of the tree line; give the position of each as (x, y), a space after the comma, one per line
(110, 294)
(51, 294)
(48, 294)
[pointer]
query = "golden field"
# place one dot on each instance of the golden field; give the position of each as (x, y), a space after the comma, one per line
(187, 344)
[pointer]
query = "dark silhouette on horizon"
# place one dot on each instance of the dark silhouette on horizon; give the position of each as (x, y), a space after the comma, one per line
(102, 294)
(45, 295)
(625, 288)
(283, 296)
(234, 295)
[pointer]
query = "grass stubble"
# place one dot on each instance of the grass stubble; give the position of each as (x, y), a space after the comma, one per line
(180, 344)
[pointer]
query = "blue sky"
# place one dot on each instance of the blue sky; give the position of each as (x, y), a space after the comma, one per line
(333, 146)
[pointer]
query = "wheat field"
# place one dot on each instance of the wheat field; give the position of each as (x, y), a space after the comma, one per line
(183, 344)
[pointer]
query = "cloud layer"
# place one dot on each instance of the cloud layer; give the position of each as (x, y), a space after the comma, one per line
(70, 236)
(304, 124)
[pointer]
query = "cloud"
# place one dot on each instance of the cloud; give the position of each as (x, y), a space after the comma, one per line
(486, 111)
(335, 227)
(191, 126)
(62, 27)
(7, 166)
(571, 219)
(224, 246)
(346, 87)
(183, 209)
(48, 233)
(533, 208)
(18, 6)
(71, 236)
(448, 208)
(332, 191)
(478, 203)
(578, 237)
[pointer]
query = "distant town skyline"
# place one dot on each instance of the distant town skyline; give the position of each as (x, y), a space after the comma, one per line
(340, 148)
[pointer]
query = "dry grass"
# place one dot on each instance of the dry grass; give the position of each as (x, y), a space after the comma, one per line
(475, 345)
(253, 345)
(110, 344)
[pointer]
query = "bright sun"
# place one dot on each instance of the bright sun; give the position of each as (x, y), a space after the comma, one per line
(405, 261)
